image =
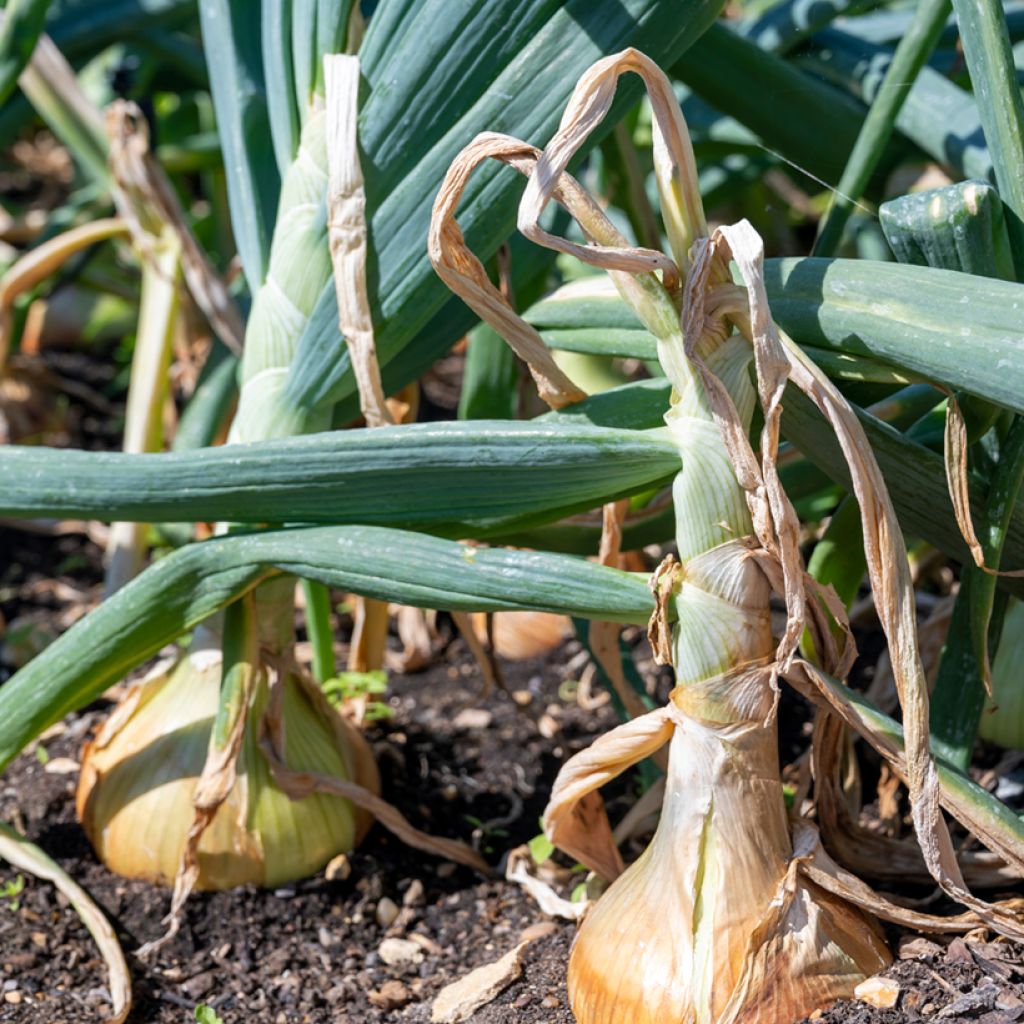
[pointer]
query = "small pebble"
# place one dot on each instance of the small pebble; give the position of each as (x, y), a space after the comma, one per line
(471, 719)
(918, 948)
(338, 869)
(397, 952)
(881, 993)
(390, 996)
(537, 931)
(13, 997)
(547, 726)
(550, 1002)
(387, 911)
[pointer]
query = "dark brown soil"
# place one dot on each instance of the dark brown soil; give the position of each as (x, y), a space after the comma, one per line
(308, 952)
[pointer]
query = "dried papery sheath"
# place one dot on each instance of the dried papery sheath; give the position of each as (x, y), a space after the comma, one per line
(715, 916)
(346, 212)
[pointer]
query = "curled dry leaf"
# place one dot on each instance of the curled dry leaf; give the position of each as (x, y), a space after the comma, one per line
(464, 274)
(518, 870)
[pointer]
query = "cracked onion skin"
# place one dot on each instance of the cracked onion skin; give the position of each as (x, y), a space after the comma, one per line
(139, 774)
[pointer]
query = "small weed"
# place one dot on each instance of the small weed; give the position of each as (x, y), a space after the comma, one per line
(347, 686)
(11, 890)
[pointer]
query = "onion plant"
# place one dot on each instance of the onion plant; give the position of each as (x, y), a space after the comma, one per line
(229, 752)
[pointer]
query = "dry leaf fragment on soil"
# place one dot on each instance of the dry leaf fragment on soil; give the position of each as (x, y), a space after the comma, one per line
(461, 999)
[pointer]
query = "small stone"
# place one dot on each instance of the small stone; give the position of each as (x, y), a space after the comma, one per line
(337, 994)
(817, 1015)
(537, 931)
(471, 719)
(547, 726)
(881, 993)
(522, 697)
(61, 766)
(550, 1002)
(522, 1000)
(324, 937)
(14, 997)
(414, 894)
(387, 911)
(958, 953)
(39, 939)
(398, 952)
(338, 869)
(390, 996)
(445, 870)
(1008, 1000)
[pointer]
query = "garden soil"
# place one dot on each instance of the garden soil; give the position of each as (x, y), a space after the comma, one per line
(310, 953)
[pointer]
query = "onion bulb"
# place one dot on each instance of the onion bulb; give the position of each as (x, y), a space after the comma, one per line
(522, 635)
(139, 776)
(715, 923)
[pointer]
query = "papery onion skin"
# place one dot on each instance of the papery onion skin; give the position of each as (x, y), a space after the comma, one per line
(670, 940)
(138, 776)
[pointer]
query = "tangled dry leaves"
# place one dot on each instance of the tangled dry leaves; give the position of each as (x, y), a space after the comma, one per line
(711, 304)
